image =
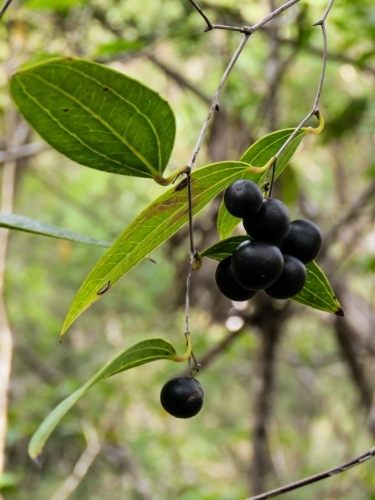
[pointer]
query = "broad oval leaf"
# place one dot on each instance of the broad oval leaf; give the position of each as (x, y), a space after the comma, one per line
(152, 227)
(28, 225)
(139, 354)
(96, 116)
(258, 155)
(317, 292)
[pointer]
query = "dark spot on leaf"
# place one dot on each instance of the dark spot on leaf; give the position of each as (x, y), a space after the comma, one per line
(105, 89)
(340, 312)
(104, 289)
(65, 110)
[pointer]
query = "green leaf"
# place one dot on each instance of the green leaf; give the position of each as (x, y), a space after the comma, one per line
(258, 155)
(22, 223)
(154, 225)
(96, 116)
(139, 354)
(223, 248)
(317, 292)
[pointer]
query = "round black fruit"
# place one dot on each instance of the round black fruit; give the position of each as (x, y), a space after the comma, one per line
(257, 264)
(302, 240)
(228, 284)
(182, 397)
(243, 198)
(291, 281)
(270, 223)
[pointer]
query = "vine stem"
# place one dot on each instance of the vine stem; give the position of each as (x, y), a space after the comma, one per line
(315, 108)
(192, 252)
(249, 30)
(5, 7)
(244, 29)
(317, 477)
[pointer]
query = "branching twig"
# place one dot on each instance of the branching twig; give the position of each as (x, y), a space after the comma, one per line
(248, 30)
(317, 477)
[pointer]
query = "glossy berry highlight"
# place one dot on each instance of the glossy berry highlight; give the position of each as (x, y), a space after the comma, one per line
(182, 397)
(243, 198)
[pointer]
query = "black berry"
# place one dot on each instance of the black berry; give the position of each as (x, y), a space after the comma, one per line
(182, 397)
(291, 281)
(302, 240)
(270, 223)
(257, 264)
(228, 284)
(243, 198)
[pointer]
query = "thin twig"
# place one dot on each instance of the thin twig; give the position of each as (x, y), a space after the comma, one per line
(315, 108)
(192, 253)
(5, 7)
(196, 7)
(317, 477)
(215, 102)
(249, 30)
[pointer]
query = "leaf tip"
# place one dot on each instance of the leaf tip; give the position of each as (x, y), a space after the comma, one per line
(37, 460)
(340, 312)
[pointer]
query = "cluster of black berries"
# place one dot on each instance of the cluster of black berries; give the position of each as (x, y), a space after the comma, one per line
(274, 259)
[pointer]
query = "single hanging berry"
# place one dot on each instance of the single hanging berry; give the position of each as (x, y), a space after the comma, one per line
(182, 397)
(270, 223)
(243, 198)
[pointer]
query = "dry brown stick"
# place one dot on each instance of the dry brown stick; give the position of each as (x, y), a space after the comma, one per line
(317, 477)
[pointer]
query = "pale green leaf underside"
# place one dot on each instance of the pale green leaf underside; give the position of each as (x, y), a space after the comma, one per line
(28, 225)
(96, 116)
(258, 155)
(139, 354)
(152, 227)
(317, 292)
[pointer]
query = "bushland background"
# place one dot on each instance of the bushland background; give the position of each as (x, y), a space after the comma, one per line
(289, 390)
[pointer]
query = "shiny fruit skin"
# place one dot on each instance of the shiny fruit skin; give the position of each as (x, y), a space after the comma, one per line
(302, 240)
(228, 284)
(270, 223)
(243, 198)
(257, 264)
(291, 281)
(182, 397)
